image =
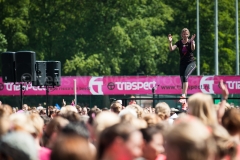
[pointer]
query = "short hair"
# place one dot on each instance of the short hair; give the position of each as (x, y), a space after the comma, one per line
(108, 135)
(21, 122)
(151, 119)
(68, 108)
(37, 123)
(72, 147)
(116, 107)
(133, 120)
(162, 109)
(137, 108)
(191, 138)
(70, 115)
(226, 146)
(92, 115)
(149, 132)
(55, 125)
(103, 120)
(78, 128)
(185, 30)
(231, 121)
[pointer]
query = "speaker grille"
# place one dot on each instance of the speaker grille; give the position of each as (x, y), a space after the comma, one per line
(8, 66)
(25, 66)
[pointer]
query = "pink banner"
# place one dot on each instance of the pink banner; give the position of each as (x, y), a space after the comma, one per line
(127, 85)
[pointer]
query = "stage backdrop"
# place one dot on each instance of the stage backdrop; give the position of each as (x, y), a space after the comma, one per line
(126, 85)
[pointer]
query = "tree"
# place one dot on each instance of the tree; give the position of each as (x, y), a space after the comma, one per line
(14, 23)
(122, 37)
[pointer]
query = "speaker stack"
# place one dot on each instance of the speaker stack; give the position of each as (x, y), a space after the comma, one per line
(22, 66)
(40, 70)
(8, 67)
(53, 73)
(25, 66)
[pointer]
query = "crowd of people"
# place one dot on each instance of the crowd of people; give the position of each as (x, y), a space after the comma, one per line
(205, 131)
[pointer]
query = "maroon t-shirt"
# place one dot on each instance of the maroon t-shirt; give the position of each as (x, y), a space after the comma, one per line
(185, 51)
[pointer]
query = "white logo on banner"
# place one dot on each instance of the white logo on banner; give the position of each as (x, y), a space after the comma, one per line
(207, 82)
(96, 81)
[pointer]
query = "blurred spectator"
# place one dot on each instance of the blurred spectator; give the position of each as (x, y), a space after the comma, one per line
(39, 106)
(163, 111)
(38, 123)
(201, 106)
(151, 119)
(18, 145)
(132, 100)
(226, 147)
(75, 148)
(67, 108)
(120, 141)
(137, 109)
(84, 111)
(52, 130)
(231, 121)
(103, 120)
(189, 139)
(153, 142)
(4, 122)
(116, 107)
(71, 116)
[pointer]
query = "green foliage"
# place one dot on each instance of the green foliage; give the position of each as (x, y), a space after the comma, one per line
(120, 37)
(3, 43)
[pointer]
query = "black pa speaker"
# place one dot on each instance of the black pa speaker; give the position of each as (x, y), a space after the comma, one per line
(8, 66)
(53, 73)
(25, 66)
(40, 70)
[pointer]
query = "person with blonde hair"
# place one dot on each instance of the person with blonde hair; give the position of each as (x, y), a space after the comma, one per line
(189, 139)
(137, 122)
(137, 108)
(103, 120)
(116, 107)
(226, 146)
(68, 108)
(163, 111)
(187, 61)
(201, 105)
(152, 119)
(38, 123)
(4, 121)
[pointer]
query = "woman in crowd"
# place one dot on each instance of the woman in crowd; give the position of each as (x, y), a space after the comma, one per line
(121, 141)
(153, 143)
(202, 106)
(189, 139)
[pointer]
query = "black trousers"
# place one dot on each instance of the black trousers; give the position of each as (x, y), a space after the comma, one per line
(186, 71)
